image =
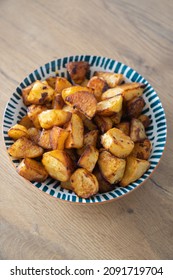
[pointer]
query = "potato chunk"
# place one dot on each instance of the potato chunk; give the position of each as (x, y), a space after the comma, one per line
(78, 70)
(51, 81)
(61, 83)
(116, 118)
(25, 93)
(142, 149)
(32, 170)
(110, 106)
(124, 127)
(26, 122)
(137, 131)
(90, 138)
(50, 118)
(58, 137)
(119, 144)
(58, 101)
(103, 123)
(76, 131)
(111, 167)
(112, 79)
(144, 120)
(34, 134)
(25, 148)
(17, 131)
(44, 139)
(104, 186)
(88, 158)
(73, 89)
(134, 107)
(99, 85)
(84, 183)
(40, 93)
(58, 164)
(67, 185)
(135, 168)
(33, 112)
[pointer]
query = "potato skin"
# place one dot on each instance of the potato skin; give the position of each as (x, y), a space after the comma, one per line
(90, 138)
(78, 70)
(88, 158)
(26, 122)
(116, 142)
(134, 107)
(99, 85)
(144, 120)
(84, 183)
(111, 167)
(17, 131)
(137, 131)
(58, 101)
(32, 170)
(142, 149)
(104, 186)
(76, 133)
(124, 127)
(67, 185)
(103, 123)
(116, 118)
(53, 117)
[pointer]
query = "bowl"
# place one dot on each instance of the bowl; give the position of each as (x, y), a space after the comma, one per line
(156, 132)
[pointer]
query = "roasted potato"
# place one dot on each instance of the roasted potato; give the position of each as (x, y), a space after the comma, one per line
(103, 123)
(110, 106)
(34, 134)
(44, 139)
(58, 102)
(32, 170)
(90, 138)
(58, 137)
(76, 131)
(83, 101)
(142, 149)
(78, 70)
(17, 131)
(134, 107)
(25, 93)
(104, 186)
(144, 120)
(33, 112)
(88, 124)
(61, 83)
(124, 127)
(53, 117)
(84, 83)
(111, 167)
(51, 81)
(72, 154)
(112, 92)
(66, 185)
(99, 85)
(25, 148)
(84, 183)
(58, 164)
(112, 79)
(88, 158)
(135, 168)
(40, 93)
(137, 131)
(73, 89)
(118, 143)
(26, 122)
(116, 118)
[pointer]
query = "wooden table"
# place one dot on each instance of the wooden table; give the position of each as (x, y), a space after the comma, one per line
(33, 224)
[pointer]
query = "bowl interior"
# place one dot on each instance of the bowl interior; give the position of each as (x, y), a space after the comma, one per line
(156, 132)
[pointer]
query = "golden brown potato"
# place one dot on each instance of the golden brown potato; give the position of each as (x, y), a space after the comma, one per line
(83, 101)
(144, 120)
(25, 93)
(111, 167)
(78, 70)
(88, 158)
(44, 139)
(54, 117)
(134, 107)
(25, 148)
(112, 92)
(135, 168)
(17, 131)
(142, 149)
(58, 137)
(66, 185)
(73, 89)
(84, 183)
(32, 170)
(40, 93)
(88, 124)
(104, 186)
(33, 112)
(90, 138)
(112, 79)
(58, 102)
(61, 83)
(26, 122)
(103, 123)
(137, 131)
(124, 127)
(72, 154)
(51, 81)
(76, 131)
(116, 118)
(34, 134)
(110, 106)
(99, 85)
(84, 83)
(58, 164)
(118, 143)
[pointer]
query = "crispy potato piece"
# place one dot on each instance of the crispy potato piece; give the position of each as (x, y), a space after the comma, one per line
(89, 158)
(116, 118)
(73, 89)
(58, 102)
(51, 81)
(104, 186)
(17, 131)
(34, 134)
(124, 127)
(88, 124)
(119, 144)
(32, 170)
(25, 93)
(44, 139)
(84, 183)
(142, 149)
(135, 168)
(144, 120)
(26, 122)
(112, 79)
(90, 138)
(84, 83)
(76, 131)
(33, 112)
(66, 185)
(137, 131)
(111, 167)
(61, 83)
(134, 107)
(40, 93)
(112, 92)
(110, 106)
(25, 148)
(68, 108)
(58, 164)
(58, 137)
(72, 154)
(78, 70)
(103, 123)
(99, 85)
(83, 101)
(53, 117)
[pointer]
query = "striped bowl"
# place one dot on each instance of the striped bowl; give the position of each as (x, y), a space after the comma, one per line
(156, 132)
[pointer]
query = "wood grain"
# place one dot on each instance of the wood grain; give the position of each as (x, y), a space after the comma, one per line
(37, 226)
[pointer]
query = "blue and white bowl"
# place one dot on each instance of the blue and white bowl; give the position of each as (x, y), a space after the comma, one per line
(156, 132)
